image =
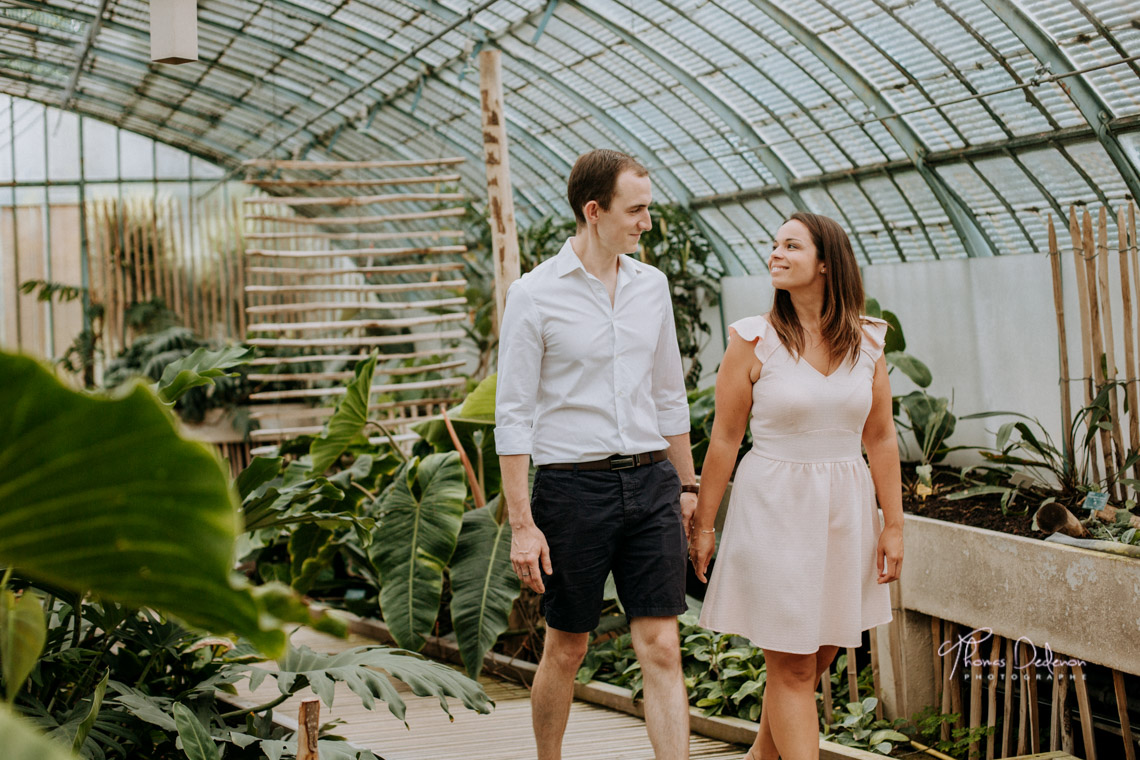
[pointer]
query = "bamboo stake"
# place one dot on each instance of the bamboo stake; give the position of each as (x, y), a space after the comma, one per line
(1109, 348)
(1085, 711)
(1129, 351)
(429, 179)
(1134, 370)
(448, 382)
(1081, 269)
(991, 702)
(272, 361)
(382, 219)
(279, 412)
(975, 688)
(1007, 712)
(132, 254)
(273, 165)
(121, 276)
(354, 200)
(362, 306)
(308, 729)
(240, 270)
(173, 250)
(852, 677)
(1062, 342)
(262, 327)
(355, 252)
(874, 641)
(396, 287)
(447, 266)
(357, 236)
(347, 375)
(107, 286)
(1098, 351)
(1122, 713)
(380, 340)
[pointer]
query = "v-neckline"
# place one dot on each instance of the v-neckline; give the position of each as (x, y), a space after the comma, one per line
(816, 371)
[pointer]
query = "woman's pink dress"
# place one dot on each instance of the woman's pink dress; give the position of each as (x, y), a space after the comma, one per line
(796, 564)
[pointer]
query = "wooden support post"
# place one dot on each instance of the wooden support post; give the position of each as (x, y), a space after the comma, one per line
(991, 702)
(1064, 715)
(1031, 705)
(1096, 332)
(1080, 267)
(852, 676)
(874, 640)
(501, 205)
(976, 678)
(1122, 712)
(1007, 711)
(1129, 341)
(308, 729)
(948, 684)
(1055, 705)
(825, 688)
(1085, 711)
(1023, 702)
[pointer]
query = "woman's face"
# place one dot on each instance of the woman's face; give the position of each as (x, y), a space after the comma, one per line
(794, 263)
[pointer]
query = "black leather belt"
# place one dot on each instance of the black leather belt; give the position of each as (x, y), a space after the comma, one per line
(616, 462)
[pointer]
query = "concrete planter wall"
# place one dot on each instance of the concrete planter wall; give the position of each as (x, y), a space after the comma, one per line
(1080, 603)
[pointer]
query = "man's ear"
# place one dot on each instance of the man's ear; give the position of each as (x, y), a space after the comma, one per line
(590, 211)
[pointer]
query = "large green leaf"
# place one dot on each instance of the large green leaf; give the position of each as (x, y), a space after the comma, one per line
(894, 339)
(102, 495)
(22, 635)
(918, 372)
(311, 549)
(480, 403)
(347, 422)
(483, 584)
(200, 368)
(359, 668)
(196, 741)
(83, 730)
(20, 741)
(420, 515)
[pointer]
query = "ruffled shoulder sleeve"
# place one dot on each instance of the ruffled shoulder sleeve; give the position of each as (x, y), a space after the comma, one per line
(751, 328)
(874, 336)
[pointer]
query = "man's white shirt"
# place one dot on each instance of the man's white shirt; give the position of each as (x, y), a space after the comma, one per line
(579, 379)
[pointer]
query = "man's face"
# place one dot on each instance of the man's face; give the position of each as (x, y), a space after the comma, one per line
(620, 227)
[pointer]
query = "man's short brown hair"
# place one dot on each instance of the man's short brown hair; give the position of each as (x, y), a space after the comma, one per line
(594, 178)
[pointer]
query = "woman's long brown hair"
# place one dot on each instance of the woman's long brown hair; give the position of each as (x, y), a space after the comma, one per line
(841, 320)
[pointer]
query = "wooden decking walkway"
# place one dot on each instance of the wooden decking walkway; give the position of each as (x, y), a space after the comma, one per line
(594, 732)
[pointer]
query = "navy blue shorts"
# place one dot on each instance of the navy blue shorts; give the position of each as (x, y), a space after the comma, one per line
(625, 521)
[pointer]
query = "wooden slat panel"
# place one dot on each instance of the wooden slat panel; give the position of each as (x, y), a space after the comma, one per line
(272, 165)
(356, 306)
(355, 252)
(395, 287)
(347, 324)
(446, 266)
(427, 179)
(381, 340)
(450, 382)
(316, 376)
(382, 219)
(354, 200)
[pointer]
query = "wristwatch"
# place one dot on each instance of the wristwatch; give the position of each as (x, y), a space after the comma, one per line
(690, 489)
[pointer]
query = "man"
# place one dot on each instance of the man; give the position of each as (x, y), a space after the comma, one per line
(590, 385)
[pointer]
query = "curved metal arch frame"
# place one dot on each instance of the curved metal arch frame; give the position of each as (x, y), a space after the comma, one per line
(1092, 107)
(973, 237)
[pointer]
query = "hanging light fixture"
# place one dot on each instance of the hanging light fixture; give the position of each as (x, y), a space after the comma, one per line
(173, 31)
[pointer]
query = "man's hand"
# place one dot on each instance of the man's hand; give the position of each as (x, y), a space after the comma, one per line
(701, 548)
(529, 552)
(688, 509)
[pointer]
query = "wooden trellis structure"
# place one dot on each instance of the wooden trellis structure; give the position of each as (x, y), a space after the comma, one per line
(333, 275)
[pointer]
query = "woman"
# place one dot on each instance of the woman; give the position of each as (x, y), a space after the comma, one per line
(803, 562)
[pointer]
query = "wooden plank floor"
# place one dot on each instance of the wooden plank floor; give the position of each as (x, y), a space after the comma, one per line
(505, 734)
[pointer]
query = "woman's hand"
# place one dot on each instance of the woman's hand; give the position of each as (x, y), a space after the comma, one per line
(702, 545)
(889, 554)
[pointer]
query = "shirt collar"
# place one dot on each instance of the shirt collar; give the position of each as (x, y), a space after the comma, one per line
(567, 261)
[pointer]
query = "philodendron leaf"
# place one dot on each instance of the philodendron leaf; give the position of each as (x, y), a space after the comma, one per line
(196, 741)
(103, 496)
(483, 585)
(22, 635)
(347, 421)
(918, 372)
(359, 668)
(199, 368)
(420, 515)
(22, 742)
(88, 722)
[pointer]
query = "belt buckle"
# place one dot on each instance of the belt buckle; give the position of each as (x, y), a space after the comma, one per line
(623, 463)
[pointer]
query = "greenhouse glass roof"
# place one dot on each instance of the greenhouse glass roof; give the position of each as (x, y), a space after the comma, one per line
(930, 128)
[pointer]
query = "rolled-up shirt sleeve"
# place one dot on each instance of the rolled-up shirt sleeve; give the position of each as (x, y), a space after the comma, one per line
(669, 378)
(520, 362)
